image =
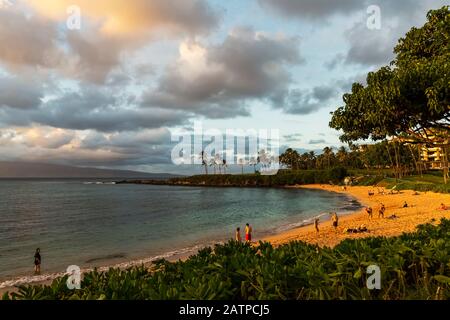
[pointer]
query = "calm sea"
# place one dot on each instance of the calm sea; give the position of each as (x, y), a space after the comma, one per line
(76, 222)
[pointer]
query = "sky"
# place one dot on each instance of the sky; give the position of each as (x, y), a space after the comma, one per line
(105, 83)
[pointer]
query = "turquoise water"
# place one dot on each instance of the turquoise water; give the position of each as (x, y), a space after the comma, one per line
(88, 225)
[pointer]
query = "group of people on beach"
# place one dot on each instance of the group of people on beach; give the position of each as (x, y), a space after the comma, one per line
(381, 211)
(334, 221)
(248, 233)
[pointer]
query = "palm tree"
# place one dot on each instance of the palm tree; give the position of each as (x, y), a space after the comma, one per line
(253, 162)
(342, 155)
(224, 164)
(212, 163)
(204, 158)
(242, 163)
(312, 159)
(327, 151)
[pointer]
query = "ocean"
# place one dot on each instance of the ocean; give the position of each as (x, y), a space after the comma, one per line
(93, 223)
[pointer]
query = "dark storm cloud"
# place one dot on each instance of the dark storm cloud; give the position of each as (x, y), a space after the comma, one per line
(309, 101)
(93, 108)
(247, 66)
(18, 93)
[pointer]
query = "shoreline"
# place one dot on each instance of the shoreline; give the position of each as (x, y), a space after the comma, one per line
(422, 208)
(408, 219)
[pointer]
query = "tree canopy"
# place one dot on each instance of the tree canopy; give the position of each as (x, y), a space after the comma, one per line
(408, 97)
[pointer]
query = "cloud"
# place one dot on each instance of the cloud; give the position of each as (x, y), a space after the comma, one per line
(121, 18)
(93, 107)
(367, 47)
(301, 101)
(295, 137)
(19, 93)
(217, 81)
(317, 141)
(27, 41)
(312, 9)
(50, 138)
(72, 147)
(320, 9)
(37, 36)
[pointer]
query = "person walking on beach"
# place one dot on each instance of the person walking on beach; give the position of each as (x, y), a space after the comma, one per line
(369, 212)
(316, 224)
(381, 211)
(238, 235)
(335, 220)
(248, 233)
(37, 261)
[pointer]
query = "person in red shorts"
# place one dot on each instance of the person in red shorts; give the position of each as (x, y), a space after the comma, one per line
(248, 233)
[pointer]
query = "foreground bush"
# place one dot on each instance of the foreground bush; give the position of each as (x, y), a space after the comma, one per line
(413, 266)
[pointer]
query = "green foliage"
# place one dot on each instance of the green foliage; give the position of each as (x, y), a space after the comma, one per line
(283, 178)
(408, 97)
(413, 266)
(427, 182)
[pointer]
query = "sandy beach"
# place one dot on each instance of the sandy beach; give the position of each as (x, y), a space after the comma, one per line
(422, 208)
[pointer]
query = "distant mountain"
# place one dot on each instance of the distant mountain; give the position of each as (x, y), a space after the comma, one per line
(42, 170)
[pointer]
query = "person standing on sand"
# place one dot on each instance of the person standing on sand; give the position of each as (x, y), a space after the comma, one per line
(381, 211)
(316, 224)
(335, 220)
(248, 233)
(238, 235)
(369, 212)
(37, 261)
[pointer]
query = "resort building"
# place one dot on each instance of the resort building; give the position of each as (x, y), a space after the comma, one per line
(432, 157)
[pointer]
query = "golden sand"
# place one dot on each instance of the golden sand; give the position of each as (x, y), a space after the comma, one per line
(422, 208)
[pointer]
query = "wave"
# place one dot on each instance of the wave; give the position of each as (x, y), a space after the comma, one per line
(299, 224)
(24, 280)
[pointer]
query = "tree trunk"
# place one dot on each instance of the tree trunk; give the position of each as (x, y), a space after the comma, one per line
(392, 163)
(414, 159)
(445, 159)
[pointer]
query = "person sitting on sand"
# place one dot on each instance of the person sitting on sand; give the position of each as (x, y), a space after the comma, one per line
(238, 235)
(381, 211)
(369, 212)
(335, 220)
(316, 224)
(37, 261)
(443, 207)
(405, 205)
(248, 233)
